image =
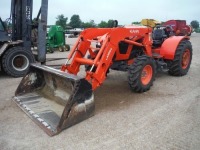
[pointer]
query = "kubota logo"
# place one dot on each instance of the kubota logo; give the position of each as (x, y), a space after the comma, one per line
(134, 31)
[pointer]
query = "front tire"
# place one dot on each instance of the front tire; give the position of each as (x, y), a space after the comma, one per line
(16, 61)
(141, 74)
(180, 65)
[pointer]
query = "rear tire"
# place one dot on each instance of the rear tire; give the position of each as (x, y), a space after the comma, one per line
(16, 61)
(50, 50)
(141, 74)
(182, 59)
(67, 47)
(61, 49)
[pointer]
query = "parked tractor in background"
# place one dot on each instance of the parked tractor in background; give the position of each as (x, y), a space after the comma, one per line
(58, 99)
(56, 39)
(179, 27)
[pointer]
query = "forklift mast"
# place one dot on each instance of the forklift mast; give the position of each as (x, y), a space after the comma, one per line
(21, 11)
(21, 21)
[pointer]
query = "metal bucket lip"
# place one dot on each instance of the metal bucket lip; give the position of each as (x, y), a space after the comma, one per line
(35, 118)
(55, 71)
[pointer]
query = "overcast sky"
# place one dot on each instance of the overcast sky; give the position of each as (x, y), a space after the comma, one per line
(125, 11)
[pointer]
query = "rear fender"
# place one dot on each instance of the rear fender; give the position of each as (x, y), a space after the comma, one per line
(169, 46)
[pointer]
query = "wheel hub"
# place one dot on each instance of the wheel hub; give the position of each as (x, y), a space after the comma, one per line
(146, 74)
(20, 62)
(185, 59)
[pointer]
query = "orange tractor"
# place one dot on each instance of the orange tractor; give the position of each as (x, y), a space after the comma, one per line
(58, 99)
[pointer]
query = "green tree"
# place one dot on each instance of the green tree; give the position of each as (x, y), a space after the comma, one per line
(90, 24)
(93, 24)
(86, 25)
(135, 22)
(61, 21)
(75, 21)
(194, 24)
(103, 24)
(110, 23)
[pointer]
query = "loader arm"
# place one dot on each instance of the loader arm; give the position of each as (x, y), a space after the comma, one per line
(107, 53)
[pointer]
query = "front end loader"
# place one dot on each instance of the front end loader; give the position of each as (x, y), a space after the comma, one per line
(54, 99)
(58, 99)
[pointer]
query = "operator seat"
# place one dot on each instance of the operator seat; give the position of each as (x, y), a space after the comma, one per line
(158, 36)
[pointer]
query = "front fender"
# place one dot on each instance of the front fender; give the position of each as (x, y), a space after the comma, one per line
(6, 45)
(169, 46)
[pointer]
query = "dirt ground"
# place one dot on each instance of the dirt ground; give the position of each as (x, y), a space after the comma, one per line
(166, 117)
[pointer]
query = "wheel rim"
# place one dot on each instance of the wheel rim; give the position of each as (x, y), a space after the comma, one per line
(146, 75)
(20, 62)
(186, 59)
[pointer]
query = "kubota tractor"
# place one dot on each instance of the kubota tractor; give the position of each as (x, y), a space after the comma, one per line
(58, 99)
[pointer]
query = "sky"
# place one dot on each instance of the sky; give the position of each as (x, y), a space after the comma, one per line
(125, 11)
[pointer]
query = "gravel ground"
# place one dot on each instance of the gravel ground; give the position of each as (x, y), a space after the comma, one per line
(166, 117)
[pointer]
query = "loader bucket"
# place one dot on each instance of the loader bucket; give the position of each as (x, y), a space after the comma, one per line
(53, 99)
